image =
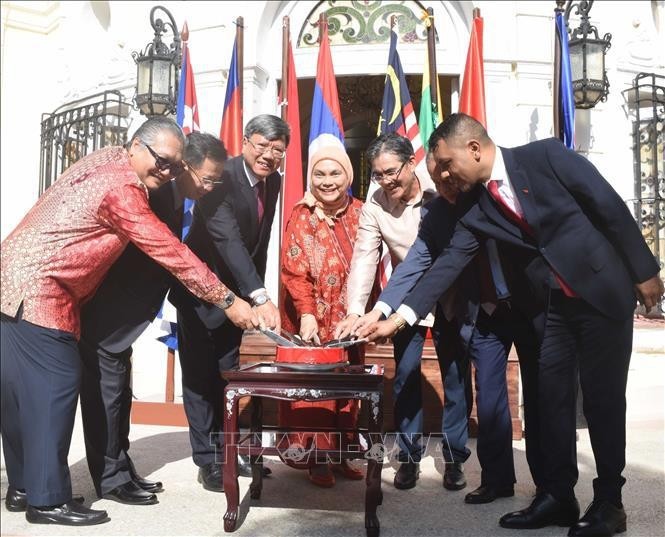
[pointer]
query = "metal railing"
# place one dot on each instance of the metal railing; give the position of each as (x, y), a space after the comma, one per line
(75, 129)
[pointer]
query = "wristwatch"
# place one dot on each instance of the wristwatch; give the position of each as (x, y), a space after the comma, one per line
(227, 301)
(260, 300)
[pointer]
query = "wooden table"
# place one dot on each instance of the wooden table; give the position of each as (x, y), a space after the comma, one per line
(268, 380)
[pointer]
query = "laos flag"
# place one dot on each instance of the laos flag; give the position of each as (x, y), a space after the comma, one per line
(326, 127)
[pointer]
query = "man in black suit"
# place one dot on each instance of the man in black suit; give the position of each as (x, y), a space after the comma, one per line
(124, 305)
(582, 260)
(230, 232)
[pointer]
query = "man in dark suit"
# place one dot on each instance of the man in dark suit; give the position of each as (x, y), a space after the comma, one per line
(582, 259)
(474, 320)
(230, 232)
(126, 302)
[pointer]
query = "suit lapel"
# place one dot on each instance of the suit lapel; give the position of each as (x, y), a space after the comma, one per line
(489, 207)
(522, 188)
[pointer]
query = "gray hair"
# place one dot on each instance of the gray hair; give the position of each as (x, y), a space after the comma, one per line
(148, 132)
(270, 127)
(390, 143)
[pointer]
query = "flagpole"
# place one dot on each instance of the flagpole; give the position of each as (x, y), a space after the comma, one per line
(284, 104)
(241, 75)
(556, 88)
(431, 56)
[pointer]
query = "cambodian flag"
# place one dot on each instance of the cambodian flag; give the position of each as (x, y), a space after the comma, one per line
(231, 130)
(326, 127)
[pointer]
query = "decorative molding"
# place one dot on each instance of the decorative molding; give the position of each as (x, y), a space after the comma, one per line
(353, 22)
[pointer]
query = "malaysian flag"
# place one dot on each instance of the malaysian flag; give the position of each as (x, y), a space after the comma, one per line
(397, 115)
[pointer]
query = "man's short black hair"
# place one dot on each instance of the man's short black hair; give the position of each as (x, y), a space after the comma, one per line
(458, 126)
(200, 146)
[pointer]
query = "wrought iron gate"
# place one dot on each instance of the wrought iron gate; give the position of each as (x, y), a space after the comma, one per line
(646, 103)
(78, 128)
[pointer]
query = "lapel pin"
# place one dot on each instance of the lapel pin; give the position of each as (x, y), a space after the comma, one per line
(525, 190)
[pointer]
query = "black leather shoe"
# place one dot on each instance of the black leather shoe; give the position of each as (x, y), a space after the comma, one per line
(487, 494)
(131, 494)
(245, 467)
(545, 510)
(407, 475)
(150, 486)
(453, 476)
(68, 514)
(210, 476)
(601, 518)
(17, 501)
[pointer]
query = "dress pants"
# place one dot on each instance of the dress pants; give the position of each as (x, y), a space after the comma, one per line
(407, 391)
(41, 373)
(579, 338)
(204, 354)
(488, 349)
(106, 402)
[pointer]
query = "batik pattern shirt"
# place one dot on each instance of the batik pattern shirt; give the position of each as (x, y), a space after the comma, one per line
(59, 253)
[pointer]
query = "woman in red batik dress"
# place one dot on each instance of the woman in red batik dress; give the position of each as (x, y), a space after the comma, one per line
(316, 255)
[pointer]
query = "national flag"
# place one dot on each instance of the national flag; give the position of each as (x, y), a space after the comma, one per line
(326, 127)
(231, 130)
(431, 113)
(397, 113)
(293, 183)
(472, 96)
(564, 103)
(187, 116)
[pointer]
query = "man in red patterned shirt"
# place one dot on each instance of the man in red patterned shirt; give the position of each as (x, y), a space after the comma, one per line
(53, 262)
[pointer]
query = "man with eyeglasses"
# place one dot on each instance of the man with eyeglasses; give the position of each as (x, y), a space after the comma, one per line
(51, 264)
(230, 232)
(392, 216)
(127, 301)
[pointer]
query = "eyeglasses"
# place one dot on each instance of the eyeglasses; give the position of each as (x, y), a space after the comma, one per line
(205, 181)
(387, 176)
(277, 152)
(163, 164)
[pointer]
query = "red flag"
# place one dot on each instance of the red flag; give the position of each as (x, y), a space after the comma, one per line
(472, 96)
(231, 131)
(293, 182)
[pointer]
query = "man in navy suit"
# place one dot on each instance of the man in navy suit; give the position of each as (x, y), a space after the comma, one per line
(230, 232)
(583, 260)
(126, 302)
(477, 322)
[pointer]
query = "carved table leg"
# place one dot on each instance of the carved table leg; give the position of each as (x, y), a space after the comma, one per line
(373, 494)
(257, 460)
(231, 438)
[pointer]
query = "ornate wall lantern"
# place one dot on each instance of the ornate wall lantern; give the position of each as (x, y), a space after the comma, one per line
(157, 69)
(587, 57)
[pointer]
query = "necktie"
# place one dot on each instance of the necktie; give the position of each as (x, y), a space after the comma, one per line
(260, 188)
(493, 189)
(488, 298)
